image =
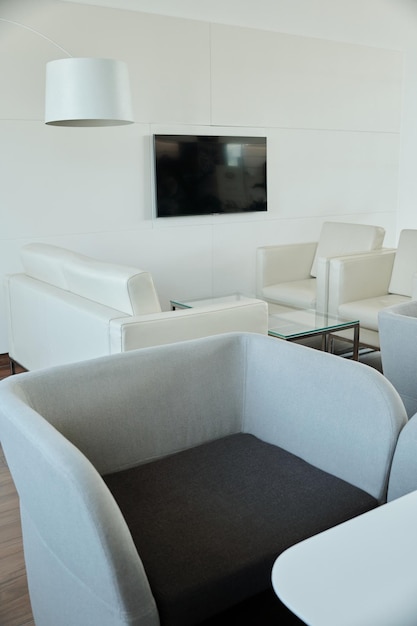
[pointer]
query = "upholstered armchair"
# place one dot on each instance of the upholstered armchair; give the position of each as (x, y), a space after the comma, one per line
(66, 307)
(361, 286)
(296, 275)
(398, 342)
(158, 486)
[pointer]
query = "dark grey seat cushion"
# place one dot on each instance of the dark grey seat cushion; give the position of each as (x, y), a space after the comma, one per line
(209, 522)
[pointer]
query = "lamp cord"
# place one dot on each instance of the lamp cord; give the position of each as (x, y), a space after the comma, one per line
(32, 30)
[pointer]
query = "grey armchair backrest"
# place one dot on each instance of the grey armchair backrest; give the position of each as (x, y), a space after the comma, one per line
(398, 339)
(403, 475)
(397, 327)
(62, 427)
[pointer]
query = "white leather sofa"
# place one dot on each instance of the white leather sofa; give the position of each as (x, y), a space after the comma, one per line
(360, 286)
(66, 307)
(296, 275)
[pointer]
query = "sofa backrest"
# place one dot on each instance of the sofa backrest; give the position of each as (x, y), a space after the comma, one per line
(405, 264)
(120, 287)
(340, 239)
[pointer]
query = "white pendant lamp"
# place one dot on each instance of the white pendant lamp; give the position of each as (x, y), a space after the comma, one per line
(87, 92)
(84, 91)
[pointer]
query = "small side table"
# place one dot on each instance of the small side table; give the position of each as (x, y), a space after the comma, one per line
(360, 573)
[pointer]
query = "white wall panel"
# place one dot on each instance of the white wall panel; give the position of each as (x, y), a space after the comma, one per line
(384, 23)
(327, 173)
(234, 255)
(55, 180)
(172, 79)
(23, 72)
(281, 80)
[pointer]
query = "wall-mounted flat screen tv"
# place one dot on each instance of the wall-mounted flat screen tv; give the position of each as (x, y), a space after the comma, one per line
(203, 175)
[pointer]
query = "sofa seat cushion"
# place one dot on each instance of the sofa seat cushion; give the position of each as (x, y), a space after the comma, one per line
(298, 293)
(209, 522)
(366, 311)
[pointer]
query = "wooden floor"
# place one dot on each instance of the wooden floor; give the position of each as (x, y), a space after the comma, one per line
(14, 599)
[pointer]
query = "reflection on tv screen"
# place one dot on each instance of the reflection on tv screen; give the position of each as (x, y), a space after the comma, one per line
(202, 175)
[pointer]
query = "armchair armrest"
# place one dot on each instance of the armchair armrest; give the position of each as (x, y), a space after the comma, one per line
(280, 264)
(130, 333)
(350, 432)
(358, 277)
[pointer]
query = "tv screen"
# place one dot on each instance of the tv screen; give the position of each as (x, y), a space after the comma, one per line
(203, 175)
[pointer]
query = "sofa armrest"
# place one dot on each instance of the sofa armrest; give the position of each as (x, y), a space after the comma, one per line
(280, 264)
(50, 326)
(322, 284)
(358, 277)
(143, 331)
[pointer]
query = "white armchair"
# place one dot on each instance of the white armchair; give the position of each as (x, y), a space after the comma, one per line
(296, 275)
(66, 307)
(361, 286)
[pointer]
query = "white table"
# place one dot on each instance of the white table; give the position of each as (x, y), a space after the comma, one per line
(360, 573)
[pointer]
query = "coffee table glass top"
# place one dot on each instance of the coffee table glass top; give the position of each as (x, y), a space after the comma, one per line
(284, 322)
(287, 323)
(189, 304)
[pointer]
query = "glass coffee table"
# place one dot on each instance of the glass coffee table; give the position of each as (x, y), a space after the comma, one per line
(292, 324)
(296, 324)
